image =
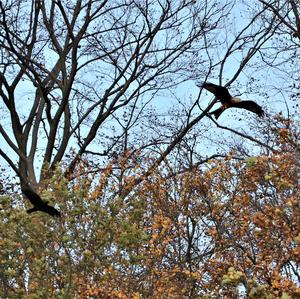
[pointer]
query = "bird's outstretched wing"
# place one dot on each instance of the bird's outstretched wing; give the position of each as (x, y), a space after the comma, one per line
(33, 197)
(251, 106)
(220, 92)
(45, 208)
(50, 210)
(37, 202)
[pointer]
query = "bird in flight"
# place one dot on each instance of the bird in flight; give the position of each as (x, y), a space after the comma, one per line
(228, 101)
(38, 203)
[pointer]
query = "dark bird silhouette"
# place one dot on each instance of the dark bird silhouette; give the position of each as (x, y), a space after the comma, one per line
(38, 203)
(228, 101)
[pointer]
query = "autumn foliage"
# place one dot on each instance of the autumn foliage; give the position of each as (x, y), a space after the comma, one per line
(227, 229)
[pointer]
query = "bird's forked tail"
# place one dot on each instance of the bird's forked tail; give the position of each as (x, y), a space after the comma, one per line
(216, 113)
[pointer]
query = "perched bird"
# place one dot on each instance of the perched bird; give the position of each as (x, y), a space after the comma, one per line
(228, 101)
(38, 203)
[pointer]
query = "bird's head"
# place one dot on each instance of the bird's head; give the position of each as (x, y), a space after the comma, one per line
(235, 100)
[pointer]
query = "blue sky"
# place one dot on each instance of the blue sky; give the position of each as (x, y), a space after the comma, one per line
(268, 86)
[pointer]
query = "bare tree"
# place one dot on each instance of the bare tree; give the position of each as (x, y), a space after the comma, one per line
(68, 68)
(76, 78)
(287, 12)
